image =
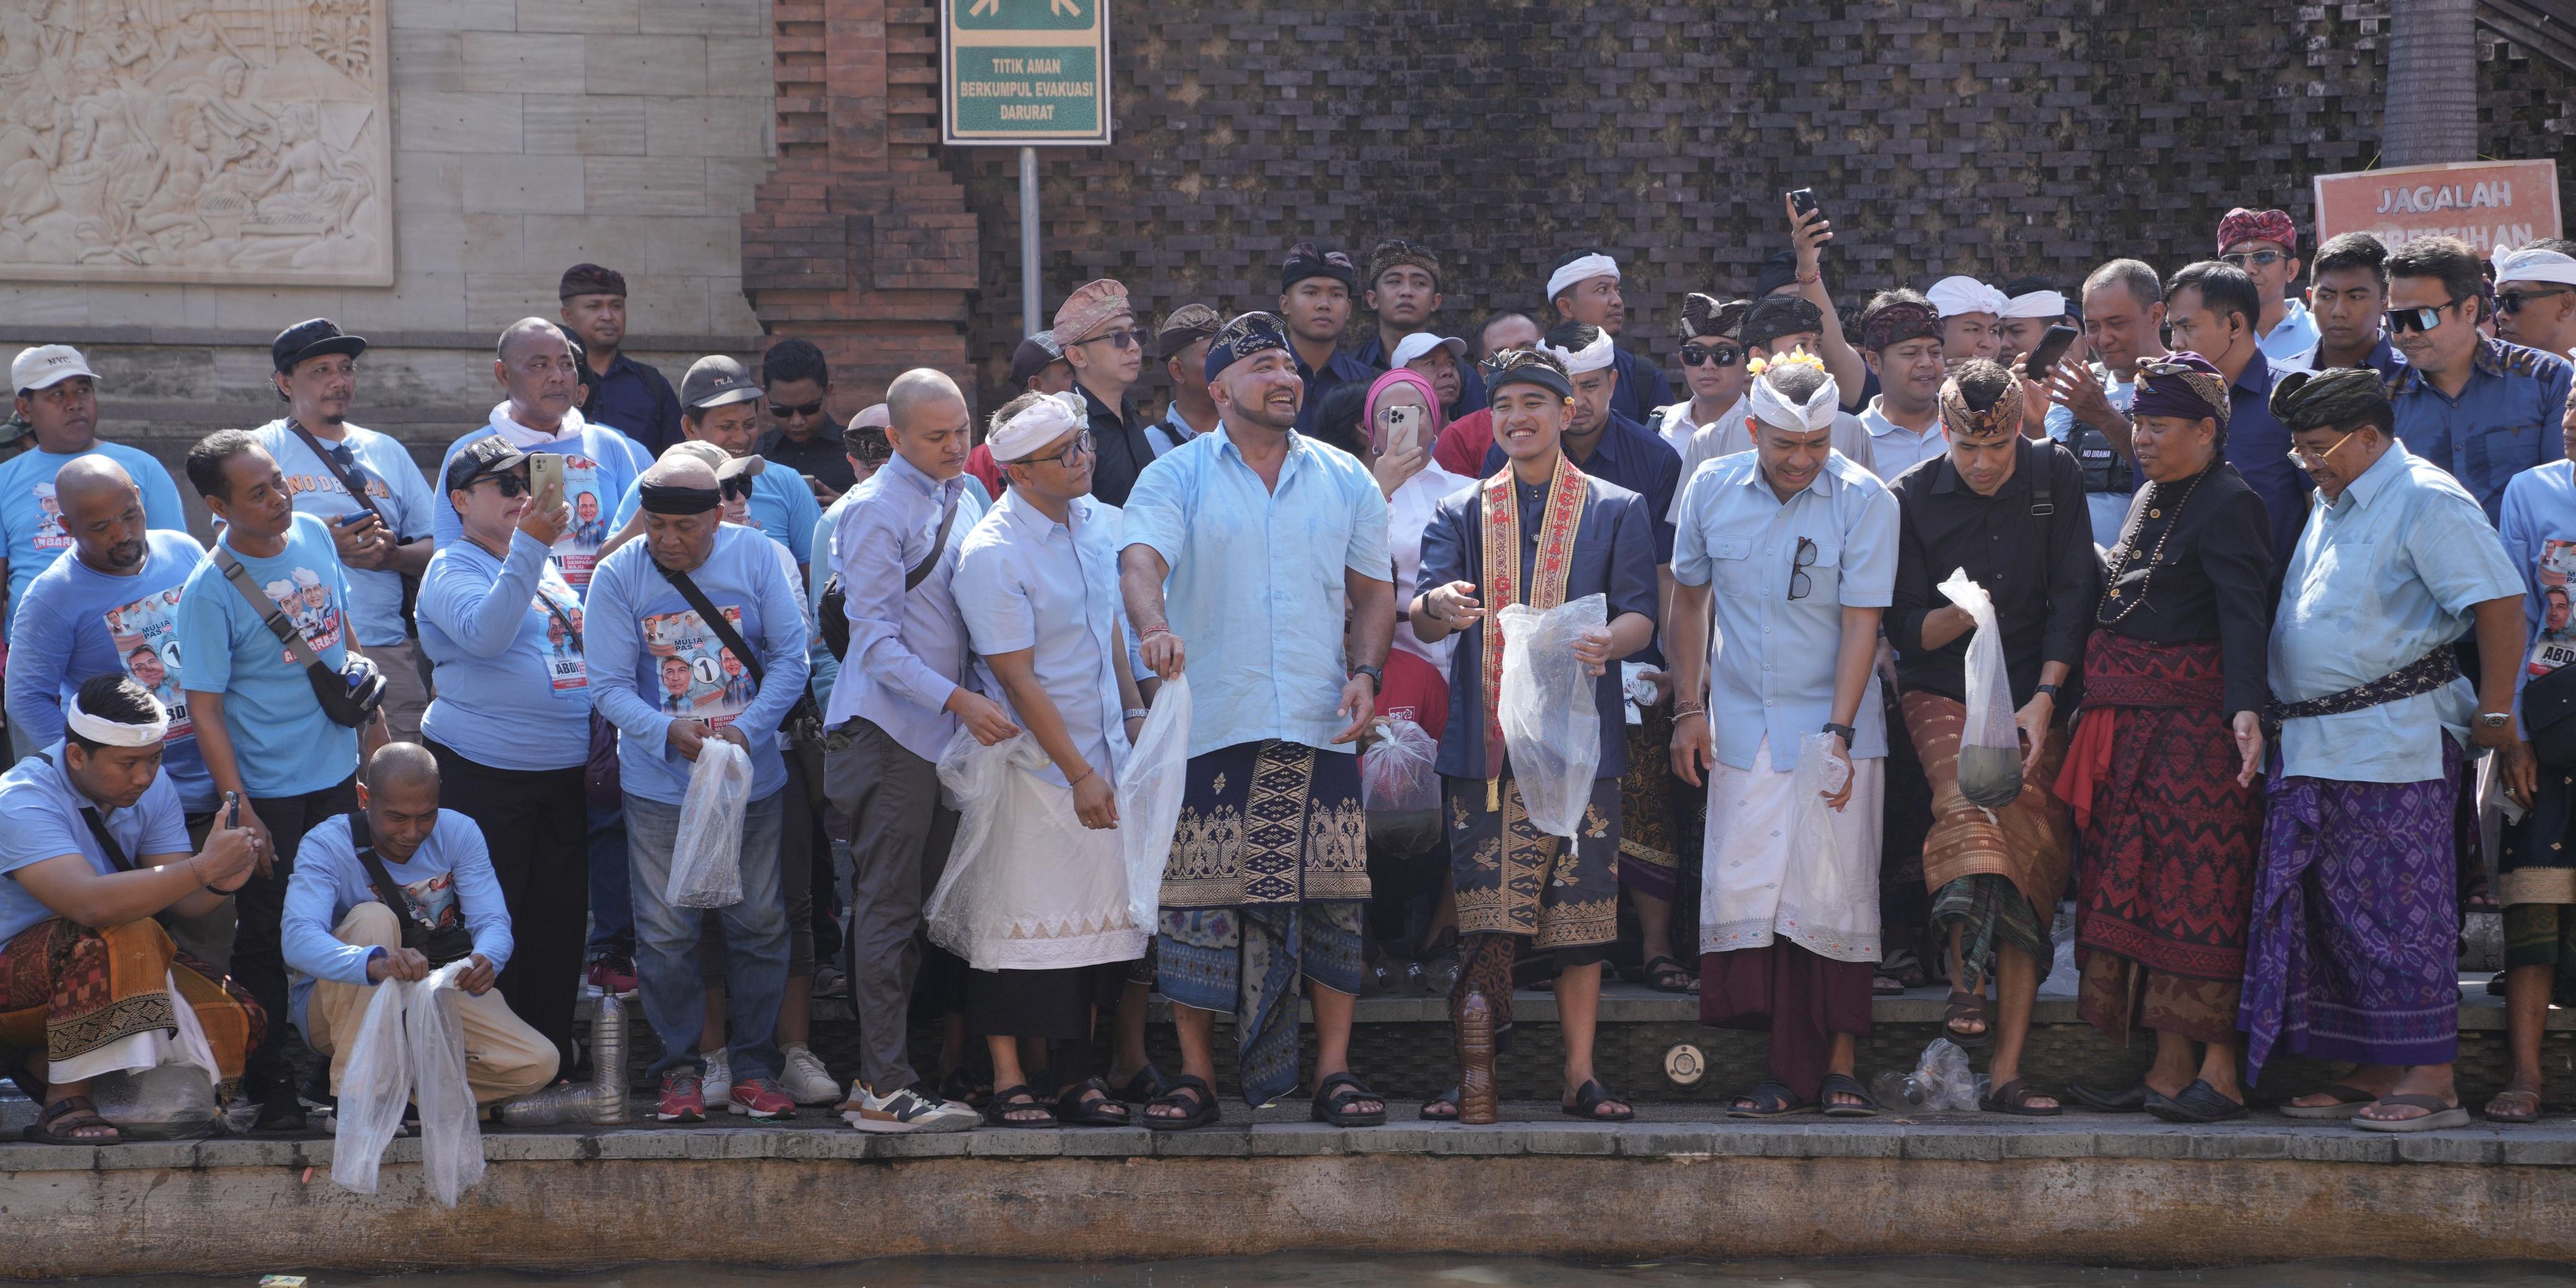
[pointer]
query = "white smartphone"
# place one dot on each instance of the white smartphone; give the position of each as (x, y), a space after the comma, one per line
(544, 468)
(1399, 429)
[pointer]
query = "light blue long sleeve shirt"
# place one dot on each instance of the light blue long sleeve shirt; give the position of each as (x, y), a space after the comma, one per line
(1255, 591)
(75, 622)
(600, 464)
(447, 880)
(907, 647)
(2383, 576)
(651, 660)
(1773, 675)
(513, 690)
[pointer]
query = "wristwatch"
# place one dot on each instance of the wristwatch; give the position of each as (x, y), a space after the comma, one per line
(2495, 719)
(2051, 690)
(1848, 734)
(1376, 675)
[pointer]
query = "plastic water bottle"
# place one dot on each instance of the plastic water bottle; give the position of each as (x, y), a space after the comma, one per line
(1892, 1088)
(608, 1062)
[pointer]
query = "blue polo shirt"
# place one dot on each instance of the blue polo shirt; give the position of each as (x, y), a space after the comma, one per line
(2259, 447)
(1343, 365)
(2504, 421)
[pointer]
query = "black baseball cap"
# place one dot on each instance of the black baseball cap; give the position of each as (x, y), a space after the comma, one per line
(481, 458)
(312, 339)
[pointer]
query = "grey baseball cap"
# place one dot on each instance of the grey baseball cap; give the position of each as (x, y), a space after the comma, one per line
(714, 381)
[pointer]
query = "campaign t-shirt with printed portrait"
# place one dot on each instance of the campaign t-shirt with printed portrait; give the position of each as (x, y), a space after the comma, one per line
(282, 741)
(599, 465)
(31, 519)
(698, 678)
(75, 622)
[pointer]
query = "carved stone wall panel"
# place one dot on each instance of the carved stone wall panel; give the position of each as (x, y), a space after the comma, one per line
(196, 141)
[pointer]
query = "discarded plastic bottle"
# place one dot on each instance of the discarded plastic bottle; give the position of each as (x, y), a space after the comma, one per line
(608, 1061)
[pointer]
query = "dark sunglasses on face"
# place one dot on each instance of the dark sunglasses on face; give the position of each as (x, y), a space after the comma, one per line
(782, 411)
(735, 488)
(2401, 321)
(2516, 301)
(1723, 355)
(1131, 338)
(2251, 258)
(507, 485)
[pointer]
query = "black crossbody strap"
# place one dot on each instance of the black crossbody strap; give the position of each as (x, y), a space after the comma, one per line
(362, 840)
(106, 842)
(948, 519)
(731, 638)
(270, 615)
(356, 484)
(2043, 466)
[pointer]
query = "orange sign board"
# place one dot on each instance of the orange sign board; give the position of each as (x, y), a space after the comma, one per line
(2483, 203)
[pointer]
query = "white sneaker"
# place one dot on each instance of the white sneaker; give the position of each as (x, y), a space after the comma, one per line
(905, 1110)
(806, 1080)
(716, 1084)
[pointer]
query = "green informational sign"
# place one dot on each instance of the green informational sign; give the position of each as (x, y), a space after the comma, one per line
(1024, 71)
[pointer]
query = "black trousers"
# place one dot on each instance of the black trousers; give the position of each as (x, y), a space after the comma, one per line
(536, 826)
(259, 956)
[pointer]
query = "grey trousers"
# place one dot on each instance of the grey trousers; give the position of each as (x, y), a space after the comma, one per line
(899, 838)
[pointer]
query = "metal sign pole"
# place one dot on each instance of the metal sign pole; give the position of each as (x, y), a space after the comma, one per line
(1029, 288)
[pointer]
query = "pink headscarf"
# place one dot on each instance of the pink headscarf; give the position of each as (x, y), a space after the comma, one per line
(1401, 376)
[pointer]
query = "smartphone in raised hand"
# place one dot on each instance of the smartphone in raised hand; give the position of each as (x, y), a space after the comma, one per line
(2051, 347)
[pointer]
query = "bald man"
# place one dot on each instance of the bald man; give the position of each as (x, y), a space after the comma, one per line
(900, 696)
(58, 398)
(395, 891)
(534, 366)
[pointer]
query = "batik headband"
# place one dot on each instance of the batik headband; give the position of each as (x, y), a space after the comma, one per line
(2003, 420)
(2185, 386)
(1246, 335)
(1896, 322)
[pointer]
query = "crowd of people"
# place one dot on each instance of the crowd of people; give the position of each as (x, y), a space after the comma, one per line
(2215, 608)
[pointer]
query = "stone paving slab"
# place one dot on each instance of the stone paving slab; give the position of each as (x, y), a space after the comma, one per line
(1661, 1131)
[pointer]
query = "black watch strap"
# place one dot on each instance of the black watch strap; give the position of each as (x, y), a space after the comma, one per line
(1849, 735)
(1376, 674)
(2051, 690)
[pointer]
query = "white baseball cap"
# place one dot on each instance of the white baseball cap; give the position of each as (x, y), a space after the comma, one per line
(47, 365)
(1421, 342)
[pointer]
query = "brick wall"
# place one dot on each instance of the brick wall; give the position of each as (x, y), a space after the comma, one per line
(1998, 137)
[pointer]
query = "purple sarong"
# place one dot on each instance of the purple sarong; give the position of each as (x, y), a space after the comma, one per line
(2354, 950)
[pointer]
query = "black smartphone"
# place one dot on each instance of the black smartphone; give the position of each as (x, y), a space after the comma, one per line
(1802, 200)
(2052, 347)
(232, 809)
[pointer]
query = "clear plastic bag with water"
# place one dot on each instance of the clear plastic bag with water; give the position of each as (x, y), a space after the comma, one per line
(1941, 1082)
(1551, 721)
(1989, 744)
(706, 856)
(172, 1100)
(410, 1049)
(1395, 772)
(1149, 797)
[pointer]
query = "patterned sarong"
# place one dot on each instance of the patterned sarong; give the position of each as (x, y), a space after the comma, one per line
(1513, 879)
(1265, 887)
(2354, 951)
(67, 990)
(1649, 808)
(2025, 846)
(2166, 884)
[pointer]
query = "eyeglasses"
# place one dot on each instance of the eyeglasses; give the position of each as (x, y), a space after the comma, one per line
(508, 485)
(1800, 584)
(735, 488)
(1073, 452)
(2515, 301)
(1723, 355)
(782, 411)
(2252, 258)
(2307, 461)
(2401, 321)
(1130, 338)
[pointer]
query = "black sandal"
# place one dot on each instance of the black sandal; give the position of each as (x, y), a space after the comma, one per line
(2197, 1103)
(1144, 1086)
(1844, 1084)
(962, 1086)
(1190, 1092)
(2014, 1097)
(70, 1114)
(1589, 1104)
(1664, 975)
(1333, 1099)
(1965, 1005)
(1448, 1101)
(1089, 1104)
(1017, 1099)
(1770, 1099)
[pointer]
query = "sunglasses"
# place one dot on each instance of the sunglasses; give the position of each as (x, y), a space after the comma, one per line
(2516, 301)
(1072, 454)
(2252, 258)
(782, 411)
(735, 488)
(1131, 338)
(1720, 355)
(1800, 583)
(508, 485)
(2401, 321)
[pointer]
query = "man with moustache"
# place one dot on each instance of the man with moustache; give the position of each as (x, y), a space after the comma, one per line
(2210, 310)
(2264, 246)
(630, 397)
(1584, 288)
(1900, 338)
(2481, 408)
(1182, 344)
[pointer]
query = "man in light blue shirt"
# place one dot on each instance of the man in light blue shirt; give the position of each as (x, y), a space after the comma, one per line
(636, 620)
(383, 531)
(899, 698)
(2353, 954)
(58, 396)
(1249, 549)
(344, 930)
(1796, 548)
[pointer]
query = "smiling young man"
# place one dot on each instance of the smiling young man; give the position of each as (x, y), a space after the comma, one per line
(1900, 336)
(2264, 246)
(1794, 548)
(2536, 296)
(2483, 409)
(1539, 533)
(2348, 299)
(1315, 288)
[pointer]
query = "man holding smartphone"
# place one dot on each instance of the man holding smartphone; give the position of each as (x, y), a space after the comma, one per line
(367, 488)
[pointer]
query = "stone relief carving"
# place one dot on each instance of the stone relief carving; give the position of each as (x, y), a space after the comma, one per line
(195, 141)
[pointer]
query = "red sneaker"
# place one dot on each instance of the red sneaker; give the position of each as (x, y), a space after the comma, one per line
(762, 1098)
(682, 1101)
(614, 973)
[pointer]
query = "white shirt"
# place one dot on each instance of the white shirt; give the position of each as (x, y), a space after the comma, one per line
(1025, 581)
(1408, 512)
(1674, 424)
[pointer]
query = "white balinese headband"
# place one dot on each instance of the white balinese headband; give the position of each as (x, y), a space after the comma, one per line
(117, 733)
(1595, 265)
(1050, 418)
(1771, 408)
(2037, 304)
(2532, 264)
(1591, 357)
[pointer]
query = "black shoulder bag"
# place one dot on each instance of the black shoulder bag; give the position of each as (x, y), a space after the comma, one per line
(834, 610)
(802, 731)
(356, 484)
(440, 945)
(350, 695)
